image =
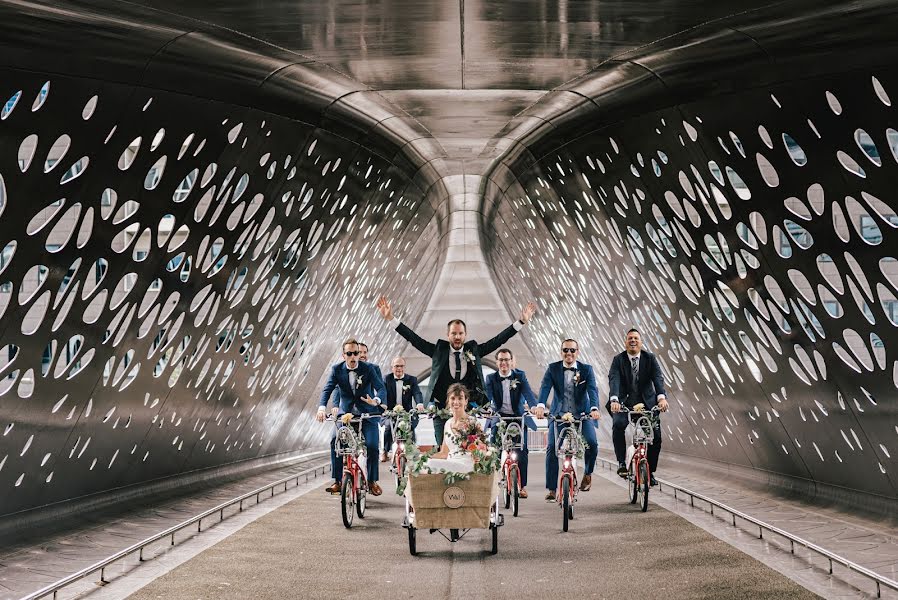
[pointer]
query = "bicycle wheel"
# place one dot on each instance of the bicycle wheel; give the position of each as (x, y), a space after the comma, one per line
(399, 474)
(412, 541)
(361, 504)
(631, 483)
(565, 501)
(347, 500)
(506, 475)
(644, 484)
(515, 492)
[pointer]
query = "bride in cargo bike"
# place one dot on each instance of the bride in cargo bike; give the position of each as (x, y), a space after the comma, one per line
(456, 487)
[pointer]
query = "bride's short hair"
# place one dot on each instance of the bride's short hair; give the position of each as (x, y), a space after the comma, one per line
(457, 389)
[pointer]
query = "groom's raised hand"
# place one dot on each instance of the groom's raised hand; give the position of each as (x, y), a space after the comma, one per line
(527, 312)
(385, 309)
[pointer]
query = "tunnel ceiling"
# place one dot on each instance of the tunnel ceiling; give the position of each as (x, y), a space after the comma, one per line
(463, 68)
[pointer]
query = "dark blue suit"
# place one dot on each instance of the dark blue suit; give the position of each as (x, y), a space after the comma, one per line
(411, 397)
(585, 399)
(646, 390)
(521, 394)
(350, 401)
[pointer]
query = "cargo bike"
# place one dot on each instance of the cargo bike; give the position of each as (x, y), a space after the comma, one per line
(433, 505)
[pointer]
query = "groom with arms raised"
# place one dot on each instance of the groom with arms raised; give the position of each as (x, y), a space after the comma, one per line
(455, 359)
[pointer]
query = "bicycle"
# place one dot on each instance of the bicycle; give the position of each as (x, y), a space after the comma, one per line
(401, 434)
(568, 446)
(511, 444)
(351, 446)
(639, 474)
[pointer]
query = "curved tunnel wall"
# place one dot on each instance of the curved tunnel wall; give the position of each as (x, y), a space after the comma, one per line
(191, 223)
(732, 194)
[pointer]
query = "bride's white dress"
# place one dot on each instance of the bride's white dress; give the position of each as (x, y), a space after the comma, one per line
(457, 461)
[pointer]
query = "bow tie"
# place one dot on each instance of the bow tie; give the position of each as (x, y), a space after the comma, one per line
(350, 370)
(504, 378)
(570, 368)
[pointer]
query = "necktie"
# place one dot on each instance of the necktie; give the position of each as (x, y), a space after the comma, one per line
(634, 368)
(457, 365)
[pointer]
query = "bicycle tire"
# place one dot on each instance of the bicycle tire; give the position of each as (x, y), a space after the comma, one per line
(399, 475)
(361, 504)
(347, 501)
(412, 541)
(514, 477)
(632, 484)
(565, 501)
(644, 484)
(507, 493)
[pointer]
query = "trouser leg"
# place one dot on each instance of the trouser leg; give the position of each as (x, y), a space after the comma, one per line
(654, 450)
(524, 457)
(592, 452)
(371, 432)
(439, 426)
(551, 461)
(388, 436)
(619, 437)
(336, 464)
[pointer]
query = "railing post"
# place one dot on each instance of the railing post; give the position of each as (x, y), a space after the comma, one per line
(792, 544)
(199, 525)
(172, 538)
(140, 556)
(712, 510)
(878, 591)
(760, 532)
(691, 500)
(734, 519)
(103, 575)
(241, 506)
(222, 514)
(830, 566)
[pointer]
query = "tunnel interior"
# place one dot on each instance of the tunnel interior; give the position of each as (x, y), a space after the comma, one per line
(198, 205)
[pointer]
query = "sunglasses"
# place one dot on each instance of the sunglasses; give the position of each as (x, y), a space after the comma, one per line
(356, 353)
(570, 350)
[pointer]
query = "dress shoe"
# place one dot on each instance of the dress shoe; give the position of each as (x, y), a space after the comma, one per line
(375, 489)
(522, 494)
(550, 497)
(384, 457)
(586, 483)
(333, 489)
(622, 470)
(652, 480)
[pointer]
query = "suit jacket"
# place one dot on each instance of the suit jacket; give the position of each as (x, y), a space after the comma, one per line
(411, 397)
(586, 392)
(520, 395)
(440, 374)
(650, 382)
(350, 400)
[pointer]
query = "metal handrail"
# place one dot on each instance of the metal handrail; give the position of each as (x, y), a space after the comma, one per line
(880, 580)
(171, 531)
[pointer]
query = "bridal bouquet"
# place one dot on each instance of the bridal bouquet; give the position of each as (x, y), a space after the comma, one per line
(472, 439)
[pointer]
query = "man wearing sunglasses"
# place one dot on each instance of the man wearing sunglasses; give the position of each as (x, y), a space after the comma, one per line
(355, 382)
(574, 389)
(455, 359)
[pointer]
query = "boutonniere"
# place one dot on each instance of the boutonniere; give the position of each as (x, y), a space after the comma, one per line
(358, 382)
(406, 387)
(577, 379)
(513, 383)
(470, 356)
